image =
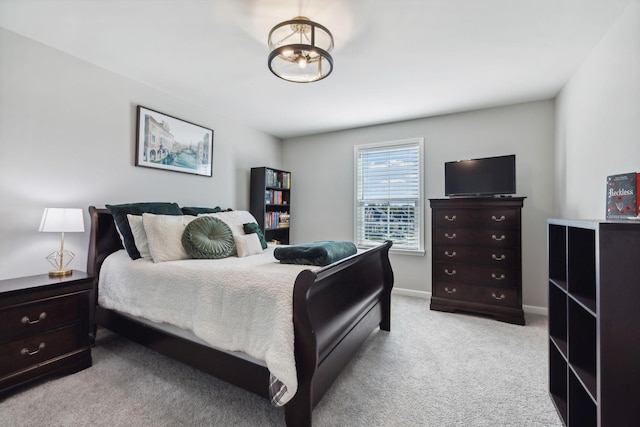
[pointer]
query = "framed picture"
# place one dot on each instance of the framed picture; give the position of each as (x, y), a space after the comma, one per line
(165, 142)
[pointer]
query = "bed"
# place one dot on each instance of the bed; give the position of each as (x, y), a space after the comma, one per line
(335, 309)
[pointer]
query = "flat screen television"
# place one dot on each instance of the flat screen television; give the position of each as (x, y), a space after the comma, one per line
(486, 177)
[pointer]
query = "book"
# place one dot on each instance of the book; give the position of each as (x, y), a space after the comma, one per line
(622, 196)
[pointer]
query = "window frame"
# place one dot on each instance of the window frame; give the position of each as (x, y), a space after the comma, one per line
(420, 202)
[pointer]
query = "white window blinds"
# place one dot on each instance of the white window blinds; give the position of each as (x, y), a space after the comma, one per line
(389, 202)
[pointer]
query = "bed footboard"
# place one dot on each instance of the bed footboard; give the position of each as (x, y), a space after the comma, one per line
(335, 309)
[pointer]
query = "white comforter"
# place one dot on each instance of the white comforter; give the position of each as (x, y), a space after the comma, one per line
(236, 304)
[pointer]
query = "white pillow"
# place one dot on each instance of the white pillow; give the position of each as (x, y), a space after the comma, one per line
(247, 244)
(139, 235)
(234, 219)
(164, 234)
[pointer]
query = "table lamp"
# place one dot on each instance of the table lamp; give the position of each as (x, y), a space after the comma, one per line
(61, 220)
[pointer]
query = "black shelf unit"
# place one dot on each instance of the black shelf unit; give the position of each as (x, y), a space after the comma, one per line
(270, 198)
(594, 318)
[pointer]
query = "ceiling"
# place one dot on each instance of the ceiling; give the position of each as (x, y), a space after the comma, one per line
(393, 59)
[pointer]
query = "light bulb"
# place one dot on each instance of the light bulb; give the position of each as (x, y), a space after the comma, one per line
(302, 62)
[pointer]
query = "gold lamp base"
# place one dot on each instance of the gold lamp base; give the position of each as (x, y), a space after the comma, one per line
(60, 273)
(59, 220)
(59, 260)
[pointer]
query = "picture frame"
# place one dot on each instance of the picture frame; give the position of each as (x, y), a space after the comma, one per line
(166, 142)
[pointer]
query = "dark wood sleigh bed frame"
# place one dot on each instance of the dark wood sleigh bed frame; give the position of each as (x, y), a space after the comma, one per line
(335, 309)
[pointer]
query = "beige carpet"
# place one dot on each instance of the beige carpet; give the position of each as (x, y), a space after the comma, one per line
(432, 369)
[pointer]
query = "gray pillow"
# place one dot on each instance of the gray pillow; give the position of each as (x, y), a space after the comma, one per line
(207, 237)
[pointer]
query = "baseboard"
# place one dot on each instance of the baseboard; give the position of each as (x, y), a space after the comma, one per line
(534, 309)
(411, 293)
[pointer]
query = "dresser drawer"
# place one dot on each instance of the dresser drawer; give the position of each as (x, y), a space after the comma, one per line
(476, 274)
(32, 318)
(26, 352)
(494, 218)
(478, 294)
(500, 257)
(495, 238)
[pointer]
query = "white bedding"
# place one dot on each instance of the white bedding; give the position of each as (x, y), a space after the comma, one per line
(236, 304)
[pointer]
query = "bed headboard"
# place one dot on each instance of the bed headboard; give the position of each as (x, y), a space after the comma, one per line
(104, 239)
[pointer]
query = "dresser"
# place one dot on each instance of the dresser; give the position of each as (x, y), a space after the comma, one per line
(45, 327)
(476, 260)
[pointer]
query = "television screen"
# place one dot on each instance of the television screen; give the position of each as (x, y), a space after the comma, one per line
(490, 176)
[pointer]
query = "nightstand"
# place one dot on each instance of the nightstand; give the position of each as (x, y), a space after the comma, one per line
(45, 327)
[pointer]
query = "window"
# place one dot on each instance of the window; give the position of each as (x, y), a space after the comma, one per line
(388, 191)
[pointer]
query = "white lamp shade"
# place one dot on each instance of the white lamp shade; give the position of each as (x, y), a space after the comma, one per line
(62, 220)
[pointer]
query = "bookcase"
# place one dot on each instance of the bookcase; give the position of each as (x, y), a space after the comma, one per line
(594, 321)
(270, 202)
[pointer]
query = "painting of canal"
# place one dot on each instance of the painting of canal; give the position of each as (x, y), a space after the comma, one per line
(166, 142)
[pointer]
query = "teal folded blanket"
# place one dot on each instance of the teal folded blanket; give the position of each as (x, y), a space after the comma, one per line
(316, 253)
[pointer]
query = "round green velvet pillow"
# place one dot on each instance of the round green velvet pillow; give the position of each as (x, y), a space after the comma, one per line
(207, 237)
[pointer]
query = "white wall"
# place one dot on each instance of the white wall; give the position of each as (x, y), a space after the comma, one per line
(322, 180)
(67, 139)
(598, 120)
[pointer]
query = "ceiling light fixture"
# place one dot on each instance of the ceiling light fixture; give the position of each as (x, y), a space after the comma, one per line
(300, 50)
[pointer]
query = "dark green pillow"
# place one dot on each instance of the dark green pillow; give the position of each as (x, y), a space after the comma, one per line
(120, 212)
(207, 237)
(190, 210)
(252, 227)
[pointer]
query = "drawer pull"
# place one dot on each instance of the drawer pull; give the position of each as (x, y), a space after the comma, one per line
(26, 319)
(498, 258)
(502, 237)
(453, 236)
(450, 291)
(450, 255)
(502, 218)
(450, 218)
(25, 351)
(493, 294)
(450, 273)
(500, 277)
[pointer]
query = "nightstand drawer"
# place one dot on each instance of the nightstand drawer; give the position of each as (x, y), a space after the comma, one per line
(26, 352)
(484, 275)
(478, 294)
(42, 315)
(499, 257)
